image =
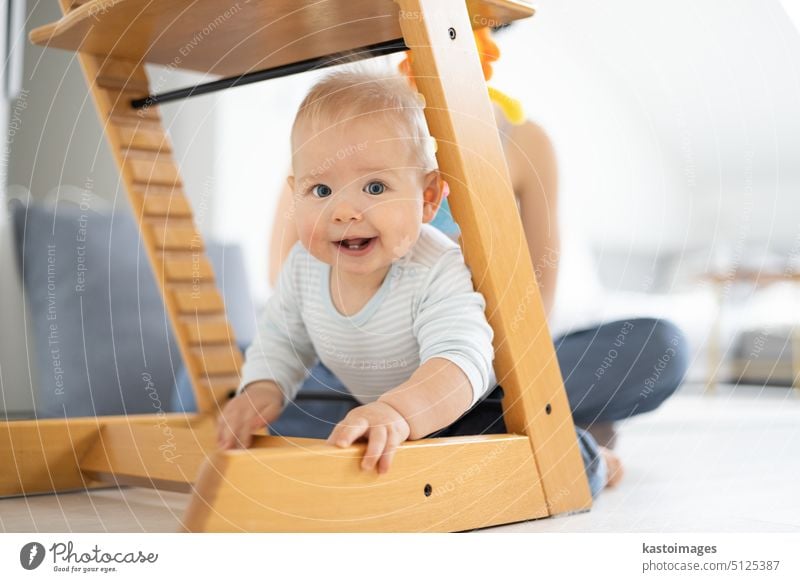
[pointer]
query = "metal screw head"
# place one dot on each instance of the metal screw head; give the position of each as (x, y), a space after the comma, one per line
(548, 409)
(428, 489)
(452, 32)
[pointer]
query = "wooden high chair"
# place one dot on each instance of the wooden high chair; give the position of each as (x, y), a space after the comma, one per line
(297, 484)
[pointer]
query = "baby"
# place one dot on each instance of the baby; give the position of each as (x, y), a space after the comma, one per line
(380, 296)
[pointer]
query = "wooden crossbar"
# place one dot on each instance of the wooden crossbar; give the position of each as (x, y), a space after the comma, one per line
(161, 457)
(447, 484)
(44, 456)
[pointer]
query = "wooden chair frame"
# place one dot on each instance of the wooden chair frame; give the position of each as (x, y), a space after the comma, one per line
(294, 484)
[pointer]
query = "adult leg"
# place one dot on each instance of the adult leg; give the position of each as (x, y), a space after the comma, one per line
(620, 369)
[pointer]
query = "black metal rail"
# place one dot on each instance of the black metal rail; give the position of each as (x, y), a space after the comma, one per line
(374, 50)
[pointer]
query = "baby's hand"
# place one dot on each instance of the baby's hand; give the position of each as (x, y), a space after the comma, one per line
(382, 425)
(257, 406)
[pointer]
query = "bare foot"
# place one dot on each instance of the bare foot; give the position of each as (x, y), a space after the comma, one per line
(614, 464)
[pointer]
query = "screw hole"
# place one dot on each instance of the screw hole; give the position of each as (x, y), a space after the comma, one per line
(452, 33)
(548, 409)
(428, 489)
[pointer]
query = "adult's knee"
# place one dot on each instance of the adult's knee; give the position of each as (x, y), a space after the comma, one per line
(666, 353)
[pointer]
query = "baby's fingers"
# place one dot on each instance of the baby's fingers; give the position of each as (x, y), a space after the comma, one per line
(232, 435)
(225, 429)
(392, 443)
(234, 432)
(346, 432)
(238, 422)
(375, 447)
(242, 434)
(226, 435)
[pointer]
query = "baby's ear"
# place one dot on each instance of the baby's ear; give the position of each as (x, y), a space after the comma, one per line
(431, 195)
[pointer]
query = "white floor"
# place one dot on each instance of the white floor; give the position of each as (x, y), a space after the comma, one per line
(725, 462)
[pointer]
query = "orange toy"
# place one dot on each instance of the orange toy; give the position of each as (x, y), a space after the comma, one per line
(488, 53)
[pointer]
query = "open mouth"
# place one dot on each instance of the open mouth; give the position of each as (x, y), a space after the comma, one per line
(356, 246)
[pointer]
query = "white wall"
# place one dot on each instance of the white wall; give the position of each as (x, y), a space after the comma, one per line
(192, 125)
(676, 125)
(252, 163)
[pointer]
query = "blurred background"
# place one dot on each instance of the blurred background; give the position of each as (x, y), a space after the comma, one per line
(677, 133)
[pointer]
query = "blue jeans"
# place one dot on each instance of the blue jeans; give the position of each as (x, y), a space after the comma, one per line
(611, 372)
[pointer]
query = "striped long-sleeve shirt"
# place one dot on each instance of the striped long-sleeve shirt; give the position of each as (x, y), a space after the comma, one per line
(426, 307)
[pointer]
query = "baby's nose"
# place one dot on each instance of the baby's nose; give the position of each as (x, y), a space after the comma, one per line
(345, 211)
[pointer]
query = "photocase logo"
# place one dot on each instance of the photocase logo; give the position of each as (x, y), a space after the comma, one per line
(31, 555)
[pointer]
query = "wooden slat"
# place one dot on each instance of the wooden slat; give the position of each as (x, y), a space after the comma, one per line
(144, 138)
(218, 361)
(234, 38)
(147, 155)
(207, 299)
(120, 74)
(222, 388)
(207, 330)
(189, 267)
(471, 159)
(159, 171)
(166, 206)
(473, 482)
(175, 235)
(130, 121)
(147, 190)
(120, 106)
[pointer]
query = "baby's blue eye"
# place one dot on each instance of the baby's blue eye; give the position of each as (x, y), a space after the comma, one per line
(376, 188)
(321, 191)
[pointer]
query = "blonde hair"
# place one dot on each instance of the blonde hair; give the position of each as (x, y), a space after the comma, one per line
(347, 95)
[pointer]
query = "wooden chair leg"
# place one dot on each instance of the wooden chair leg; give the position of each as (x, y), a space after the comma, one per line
(447, 72)
(54, 455)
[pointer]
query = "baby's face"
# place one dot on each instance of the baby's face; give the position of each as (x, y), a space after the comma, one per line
(359, 195)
